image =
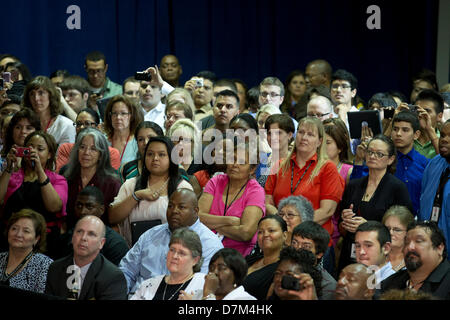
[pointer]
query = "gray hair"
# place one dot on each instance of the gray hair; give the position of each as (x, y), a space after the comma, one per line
(101, 144)
(301, 204)
(189, 239)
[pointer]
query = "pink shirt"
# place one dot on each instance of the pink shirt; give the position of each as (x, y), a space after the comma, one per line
(253, 195)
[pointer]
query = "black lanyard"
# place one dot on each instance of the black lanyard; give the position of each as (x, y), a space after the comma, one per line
(292, 176)
(225, 209)
(438, 198)
(5, 278)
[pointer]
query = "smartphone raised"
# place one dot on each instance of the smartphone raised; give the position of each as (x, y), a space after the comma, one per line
(6, 76)
(143, 76)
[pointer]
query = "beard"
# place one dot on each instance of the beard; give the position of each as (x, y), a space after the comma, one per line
(412, 264)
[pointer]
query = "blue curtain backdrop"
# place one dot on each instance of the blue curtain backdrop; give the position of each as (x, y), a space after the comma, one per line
(247, 39)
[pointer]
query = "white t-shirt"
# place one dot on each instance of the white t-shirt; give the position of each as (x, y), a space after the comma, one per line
(62, 130)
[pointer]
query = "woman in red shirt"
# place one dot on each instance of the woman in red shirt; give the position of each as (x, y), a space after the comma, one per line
(307, 171)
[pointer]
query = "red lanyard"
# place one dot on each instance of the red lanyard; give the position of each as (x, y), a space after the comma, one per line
(48, 125)
(121, 156)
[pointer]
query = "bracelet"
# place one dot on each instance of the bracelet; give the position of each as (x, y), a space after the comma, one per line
(135, 197)
(41, 184)
(210, 296)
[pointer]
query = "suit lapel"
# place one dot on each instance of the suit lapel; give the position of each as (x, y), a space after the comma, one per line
(89, 280)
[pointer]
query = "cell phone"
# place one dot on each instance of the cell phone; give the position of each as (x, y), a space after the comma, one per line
(7, 76)
(144, 76)
(412, 108)
(23, 152)
(290, 283)
(388, 113)
(199, 83)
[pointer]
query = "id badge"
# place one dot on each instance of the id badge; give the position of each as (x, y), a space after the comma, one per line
(353, 252)
(435, 214)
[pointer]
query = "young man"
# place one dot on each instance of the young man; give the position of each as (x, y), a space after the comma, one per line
(430, 108)
(202, 94)
(310, 235)
(372, 246)
(96, 68)
(343, 90)
(75, 91)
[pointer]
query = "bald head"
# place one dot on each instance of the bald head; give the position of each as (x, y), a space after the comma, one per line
(88, 239)
(320, 107)
(94, 221)
(182, 209)
(318, 72)
(353, 283)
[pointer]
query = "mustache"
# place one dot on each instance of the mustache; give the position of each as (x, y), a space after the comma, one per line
(411, 253)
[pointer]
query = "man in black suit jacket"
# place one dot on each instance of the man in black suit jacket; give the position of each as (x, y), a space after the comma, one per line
(86, 274)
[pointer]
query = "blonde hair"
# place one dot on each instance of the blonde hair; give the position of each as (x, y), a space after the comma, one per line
(268, 108)
(322, 156)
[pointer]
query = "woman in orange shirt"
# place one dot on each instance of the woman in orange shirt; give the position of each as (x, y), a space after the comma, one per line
(307, 171)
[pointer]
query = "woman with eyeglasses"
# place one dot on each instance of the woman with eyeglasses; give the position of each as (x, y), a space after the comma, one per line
(295, 210)
(397, 219)
(86, 118)
(43, 97)
(89, 165)
(368, 198)
(122, 116)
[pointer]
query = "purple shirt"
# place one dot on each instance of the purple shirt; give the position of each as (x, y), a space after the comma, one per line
(253, 195)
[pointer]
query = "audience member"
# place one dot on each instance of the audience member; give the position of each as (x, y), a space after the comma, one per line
(177, 110)
(262, 263)
(144, 131)
(36, 186)
(96, 67)
(295, 86)
(242, 93)
(86, 118)
(397, 219)
(427, 269)
(344, 86)
(171, 70)
(252, 98)
(318, 72)
(352, 283)
(184, 260)
(265, 112)
(75, 90)
(58, 76)
(235, 219)
(121, 119)
(201, 88)
(146, 258)
(423, 80)
(310, 235)
(42, 96)
(435, 197)
(145, 197)
(130, 88)
(86, 274)
(295, 210)
(89, 165)
(320, 107)
(23, 266)
(368, 198)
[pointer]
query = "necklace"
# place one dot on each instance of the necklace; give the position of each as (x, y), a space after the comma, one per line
(156, 194)
(412, 286)
(176, 291)
(397, 267)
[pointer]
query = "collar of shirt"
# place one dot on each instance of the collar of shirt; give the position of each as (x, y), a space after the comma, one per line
(203, 109)
(294, 158)
(439, 273)
(410, 155)
(160, 107)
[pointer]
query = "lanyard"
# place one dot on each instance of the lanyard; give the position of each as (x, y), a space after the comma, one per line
(48, 124)
(225, 209)
(123, 152)
(17, 269)
(292, 177)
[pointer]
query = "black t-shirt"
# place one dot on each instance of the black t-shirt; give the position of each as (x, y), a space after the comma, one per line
(169, 291)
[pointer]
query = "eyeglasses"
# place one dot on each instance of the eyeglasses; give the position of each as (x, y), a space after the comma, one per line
(318, 115)
(395, 230)
(79, 124)
(302, 245)
(377, 154)
(117, 114)
(337, 86)
(288, 216)
(271, 94)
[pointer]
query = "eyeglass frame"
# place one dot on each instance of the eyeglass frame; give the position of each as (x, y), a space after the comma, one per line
(375, 153)
(86, 124)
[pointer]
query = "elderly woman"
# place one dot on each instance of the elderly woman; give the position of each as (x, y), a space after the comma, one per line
(397, 219)
(90, 165)
(23, 267)
(233, 203)
(122, 116)
(184, 261)
(227, 270)
(368, 198)
(295, 210)
(176, 110)
(272, 233)
(144, 131)
(181, 95)
(264, 112)
(86, 118)
(42, 96)
(145, 197)
(35, 185)
(21, 125)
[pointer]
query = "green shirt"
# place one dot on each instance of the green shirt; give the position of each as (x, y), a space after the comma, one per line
(111, 89)
(427, 149)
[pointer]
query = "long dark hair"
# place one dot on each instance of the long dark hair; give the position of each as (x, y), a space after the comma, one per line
(174, 175)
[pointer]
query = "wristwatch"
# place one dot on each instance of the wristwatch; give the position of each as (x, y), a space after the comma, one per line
(210, 296)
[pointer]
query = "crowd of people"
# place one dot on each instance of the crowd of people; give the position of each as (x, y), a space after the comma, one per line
(213, 190)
